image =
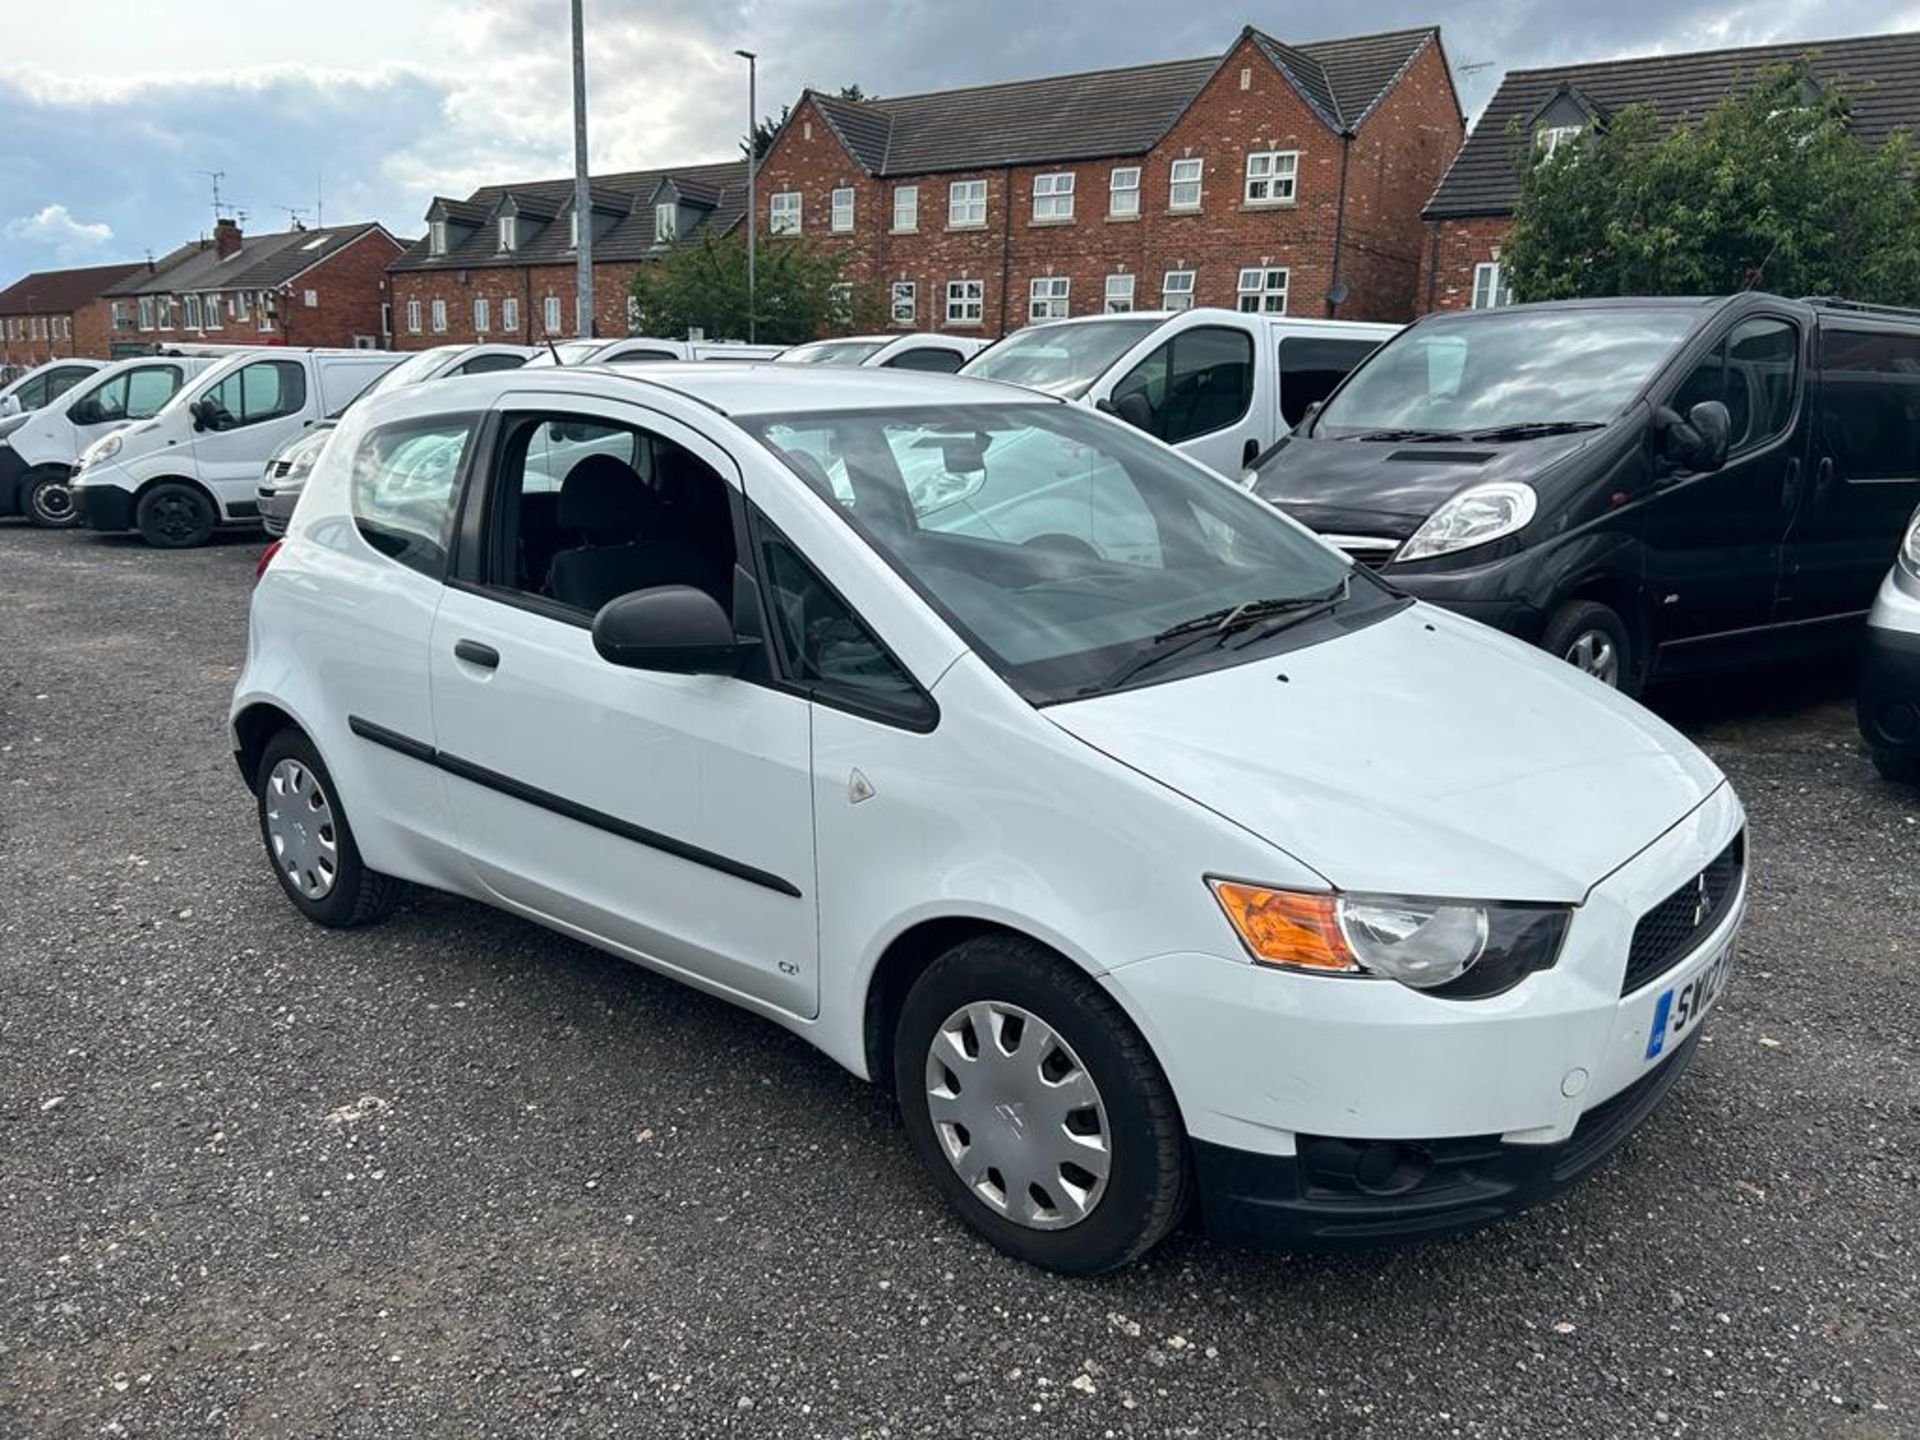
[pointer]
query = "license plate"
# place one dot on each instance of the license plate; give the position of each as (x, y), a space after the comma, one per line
(1680, 1007)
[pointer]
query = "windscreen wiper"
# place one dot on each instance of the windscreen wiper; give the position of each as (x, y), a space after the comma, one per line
(1534, 429)
(1217, 625)
(1302, 609)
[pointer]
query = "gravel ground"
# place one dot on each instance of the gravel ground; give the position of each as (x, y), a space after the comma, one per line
(458, 1176)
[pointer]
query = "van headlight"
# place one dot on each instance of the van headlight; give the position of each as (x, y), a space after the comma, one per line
(103, 449)
(1910, 550)
(1473, 517)
(1459, 949)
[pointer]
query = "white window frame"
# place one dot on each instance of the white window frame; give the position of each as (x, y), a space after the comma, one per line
(1551, 137)
(1047, 297)
(510, 315)
(550, 313)
(903, 302)
(964, 296)
(1176, 290)
(192, 306)
(240, 309)
(482, 315)
(1118, 299)
(963, 196)
(840, 210)
(666, 223)
(1123, 192)
(210, 312)
(1490, 290)
(164, 312)
(1053, 198)
(413, 317)
(1182, 174)
(784, 213)
(436, 237)
(437, 316)
(1273, 177)
(1255, 291)
(509, 234)
(906, 199)
(264, 312)
(310, 299)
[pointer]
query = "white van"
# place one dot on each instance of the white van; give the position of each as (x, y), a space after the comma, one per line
(1218, 385)
(44, 384)
(910, 350)
(197, 463)
(38, 451)
(639, 349)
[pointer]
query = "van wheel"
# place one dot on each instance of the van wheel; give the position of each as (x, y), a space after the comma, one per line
(1037, 1108)
(49, 503)
(174, 516)
(1901, 767)
(309, 843)
(1592, 637)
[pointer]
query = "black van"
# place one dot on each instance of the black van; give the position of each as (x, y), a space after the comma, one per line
(1642, 486)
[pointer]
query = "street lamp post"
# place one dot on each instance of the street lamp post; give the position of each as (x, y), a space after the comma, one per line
(753, 164)
(582, 190)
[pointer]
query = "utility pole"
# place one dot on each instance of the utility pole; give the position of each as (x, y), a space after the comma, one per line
(582, 190)
(753, 165)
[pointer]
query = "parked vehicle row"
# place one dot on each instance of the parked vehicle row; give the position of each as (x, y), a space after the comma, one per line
(919, 350)
(43, 384)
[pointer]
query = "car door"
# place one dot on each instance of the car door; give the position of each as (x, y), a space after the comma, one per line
(1865, 479)
(667, 815)
(1714, 539)
(254, 410)
(1199, 387)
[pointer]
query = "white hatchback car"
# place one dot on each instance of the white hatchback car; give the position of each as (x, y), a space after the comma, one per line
(1144, 845)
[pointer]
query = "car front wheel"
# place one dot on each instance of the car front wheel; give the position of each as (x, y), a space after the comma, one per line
(1037, 1107)
(49, 503)
(174, 516)
(309, 842)
(1593, 638)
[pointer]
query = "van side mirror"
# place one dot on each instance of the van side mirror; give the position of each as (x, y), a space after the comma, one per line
(85, 412)
(671, 628)
(1133, 408)
(202, 413)
(1698, 443)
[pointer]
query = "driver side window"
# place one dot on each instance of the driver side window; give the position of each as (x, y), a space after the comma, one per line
(1198, 382)
(1755, 373)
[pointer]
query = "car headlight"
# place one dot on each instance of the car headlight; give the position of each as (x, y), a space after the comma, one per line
(1473, 517)
(1458, 949)
(1910, 551)
(103, 449)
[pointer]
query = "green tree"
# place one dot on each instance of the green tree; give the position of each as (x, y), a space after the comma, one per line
(801, 291)
(1770, 189)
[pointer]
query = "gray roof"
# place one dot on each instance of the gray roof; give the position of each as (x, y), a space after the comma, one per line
(1100, 112)
(261, 263)
(59, 291)
(1880, 75)
(628, 195)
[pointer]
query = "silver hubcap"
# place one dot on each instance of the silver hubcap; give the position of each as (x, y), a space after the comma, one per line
(52, 501)
(1593, 652)
(1017, 1115)
(300, 829)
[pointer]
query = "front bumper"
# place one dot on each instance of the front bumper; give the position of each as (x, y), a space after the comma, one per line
(1889, 697)
(104, 507)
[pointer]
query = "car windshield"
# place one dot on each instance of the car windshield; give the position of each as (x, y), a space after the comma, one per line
(1461, 374)
(1065, 547)
(831, 352)
(1062, 360)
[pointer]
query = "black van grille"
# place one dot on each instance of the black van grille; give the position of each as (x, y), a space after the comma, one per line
(1668, 932)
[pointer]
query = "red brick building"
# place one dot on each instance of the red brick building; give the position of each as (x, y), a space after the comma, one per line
(50, 315)
(1280, 177)
(1472, 208)
(324, 286)
(500, 265)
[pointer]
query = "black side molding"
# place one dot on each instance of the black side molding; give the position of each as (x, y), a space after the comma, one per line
(572, 810)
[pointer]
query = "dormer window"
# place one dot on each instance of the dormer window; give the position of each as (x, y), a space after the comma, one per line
(436, 237)
(666, 223)
(1551, 137)
(509, 233)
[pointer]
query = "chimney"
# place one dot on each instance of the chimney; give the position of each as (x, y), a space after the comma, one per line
(226, 237)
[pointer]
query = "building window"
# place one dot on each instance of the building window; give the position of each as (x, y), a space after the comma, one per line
(1053, 197)
(1551, 137)
(1490, 286)
(783, 213)
(66, 327)
(509, 233)
(212, 309)
(966, 204)
(1263, 290)
(633, 315)
(510, 314)
(310, 299)
(413, 317)
(121, 319)
(165, 312)
(666, 223)
(966, 301)
(439, 317)
(903, 303)
(1047, 298)
(1123, 192)
(1270, 176)
(1176, 290)
(436, 237)
(265, 311)
(1183, 189)
(239, 305)
(482, 316)
(1119, 294)
(840, 302)
(906, 207)
(840, 212)
(551, 307)
(192, 305)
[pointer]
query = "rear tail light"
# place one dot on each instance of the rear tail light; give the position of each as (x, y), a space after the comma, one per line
(266, 559)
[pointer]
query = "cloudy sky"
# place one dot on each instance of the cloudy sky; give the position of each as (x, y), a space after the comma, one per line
(111, 109)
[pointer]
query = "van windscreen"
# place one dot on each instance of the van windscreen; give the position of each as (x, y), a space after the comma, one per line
(1062, 360)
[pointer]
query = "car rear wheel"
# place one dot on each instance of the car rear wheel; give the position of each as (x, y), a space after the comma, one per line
(175, 516)
(49, 503)
(1037, 1108)
(309, 842)
(1593, 638)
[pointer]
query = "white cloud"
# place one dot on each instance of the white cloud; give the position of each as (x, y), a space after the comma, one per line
(55, 227)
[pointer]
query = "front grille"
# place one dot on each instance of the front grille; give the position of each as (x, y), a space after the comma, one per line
(1372, 551)
(1668, 932)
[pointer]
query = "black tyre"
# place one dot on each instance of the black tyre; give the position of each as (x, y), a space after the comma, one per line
(1037, 1108)
(175, 516)
(1592, 637)
(309, 842)
(47, 502)
(1902, 767)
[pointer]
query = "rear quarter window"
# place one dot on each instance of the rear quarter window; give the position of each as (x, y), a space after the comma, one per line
(402, 489)
(1870, 402)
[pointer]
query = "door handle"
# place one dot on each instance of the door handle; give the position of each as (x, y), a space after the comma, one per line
(1249, 452)
(474, 653)
(1790, 486)
(1822, 479)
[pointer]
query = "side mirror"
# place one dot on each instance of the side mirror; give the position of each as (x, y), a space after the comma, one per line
(1133, 408)
(672, 628)
(1698, 443)
(10, 405)
(202, 415)
(85, 412)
